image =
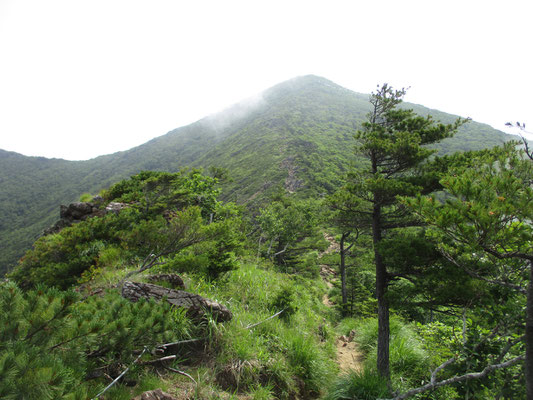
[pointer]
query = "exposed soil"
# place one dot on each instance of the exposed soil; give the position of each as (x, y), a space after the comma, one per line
(349, 358)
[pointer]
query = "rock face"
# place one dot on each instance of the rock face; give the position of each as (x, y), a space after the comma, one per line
(80, 211)
(196, 305)
(157, 394)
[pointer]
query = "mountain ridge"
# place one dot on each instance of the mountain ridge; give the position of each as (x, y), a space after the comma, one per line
(297, 135)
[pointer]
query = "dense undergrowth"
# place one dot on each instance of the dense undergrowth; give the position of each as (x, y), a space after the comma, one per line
(80, 339)
(67, 331)
(283, 357)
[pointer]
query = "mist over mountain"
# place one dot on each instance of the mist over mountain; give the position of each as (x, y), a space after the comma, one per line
(297, 135)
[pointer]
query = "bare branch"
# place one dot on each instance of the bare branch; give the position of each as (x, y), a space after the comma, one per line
(177, 371)
(440, 368)
(158, 360)
(474, 375)
(258, 323)
(120, 376)
(164, 346)
(282, 251)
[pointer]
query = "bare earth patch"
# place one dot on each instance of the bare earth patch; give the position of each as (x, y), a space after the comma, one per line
(349, 358)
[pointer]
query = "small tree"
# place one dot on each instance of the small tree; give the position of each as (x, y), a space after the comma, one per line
(284, 225)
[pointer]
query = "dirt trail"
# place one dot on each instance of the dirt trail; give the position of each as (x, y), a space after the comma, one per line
(349, 358)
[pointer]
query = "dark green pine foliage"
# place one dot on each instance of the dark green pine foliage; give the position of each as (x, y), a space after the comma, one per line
(485, 227)
(393, 144)
(50, 341)
(287, 228)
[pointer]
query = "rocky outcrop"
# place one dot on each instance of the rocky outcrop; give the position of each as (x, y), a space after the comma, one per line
(157, 394)
(80, 211)
(115, 207)
(292, 183)
(195, 305)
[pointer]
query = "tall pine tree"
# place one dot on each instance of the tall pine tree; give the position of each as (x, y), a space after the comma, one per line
(392, 143)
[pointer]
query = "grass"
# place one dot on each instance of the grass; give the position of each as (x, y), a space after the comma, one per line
(359, 385)
(287, 355)
(279, 358)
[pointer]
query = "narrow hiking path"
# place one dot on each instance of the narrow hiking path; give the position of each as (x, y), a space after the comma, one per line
(349, 358)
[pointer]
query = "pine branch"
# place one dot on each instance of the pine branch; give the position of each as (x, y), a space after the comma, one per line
(473, 274)
(68, 341)
(65, 306)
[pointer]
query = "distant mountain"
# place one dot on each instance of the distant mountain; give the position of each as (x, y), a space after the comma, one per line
(297, 134)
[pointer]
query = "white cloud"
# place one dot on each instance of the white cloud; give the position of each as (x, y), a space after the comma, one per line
(112, 75)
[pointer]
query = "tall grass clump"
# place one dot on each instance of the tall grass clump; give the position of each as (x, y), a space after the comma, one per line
(359, 385)
(283, 357)
(409, 361)
(307, 361)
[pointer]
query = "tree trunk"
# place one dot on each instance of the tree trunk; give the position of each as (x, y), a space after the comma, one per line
(343, 271)
(529, 336)
(278, 254)
(383, 304)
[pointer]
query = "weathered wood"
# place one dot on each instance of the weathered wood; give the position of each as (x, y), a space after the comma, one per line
(196, 305)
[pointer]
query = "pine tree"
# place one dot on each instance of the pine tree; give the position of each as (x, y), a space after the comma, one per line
(486, 227)
(392, 143)
(50, 341)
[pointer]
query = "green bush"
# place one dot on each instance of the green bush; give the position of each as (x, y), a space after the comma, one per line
(167, 214)
(86, 197)
(50, 340)
(285, 301)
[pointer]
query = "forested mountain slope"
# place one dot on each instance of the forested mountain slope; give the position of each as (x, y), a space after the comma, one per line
(297, 134)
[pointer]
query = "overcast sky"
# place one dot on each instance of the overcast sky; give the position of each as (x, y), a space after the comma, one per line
(80, 79)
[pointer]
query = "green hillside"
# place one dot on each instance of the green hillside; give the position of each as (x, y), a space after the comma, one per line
(297, 134)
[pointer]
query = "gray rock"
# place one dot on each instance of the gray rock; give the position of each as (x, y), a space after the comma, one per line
(76, 211)
(80, 211)
(115, 207)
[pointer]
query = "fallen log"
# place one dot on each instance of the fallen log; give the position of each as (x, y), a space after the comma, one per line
(195, 305)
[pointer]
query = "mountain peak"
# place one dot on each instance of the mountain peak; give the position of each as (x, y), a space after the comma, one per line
(303, 82)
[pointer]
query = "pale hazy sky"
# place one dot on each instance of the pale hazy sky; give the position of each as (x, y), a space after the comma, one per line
(80, 79)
